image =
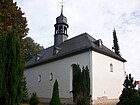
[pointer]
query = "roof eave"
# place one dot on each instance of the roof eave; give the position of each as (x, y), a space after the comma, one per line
(57, 57)
(61, 56)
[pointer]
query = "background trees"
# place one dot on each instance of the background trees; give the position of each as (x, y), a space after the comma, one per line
(11, 17)
(81, 85)
(129, 96)
(31, 48)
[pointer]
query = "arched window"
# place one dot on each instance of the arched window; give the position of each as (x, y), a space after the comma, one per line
(60, 29)
(71, 76)
(65, 30)
(39, 78)
(56, 30)
(51, 76)
(111, 67)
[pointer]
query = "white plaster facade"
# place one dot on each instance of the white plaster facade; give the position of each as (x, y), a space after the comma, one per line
(103, 81)
(61, 70)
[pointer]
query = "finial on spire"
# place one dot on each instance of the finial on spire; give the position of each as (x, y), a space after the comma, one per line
(61, 2)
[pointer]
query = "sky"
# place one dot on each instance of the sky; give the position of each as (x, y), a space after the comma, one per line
(96, 17)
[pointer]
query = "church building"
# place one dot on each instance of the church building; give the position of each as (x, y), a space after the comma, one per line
(55, 62)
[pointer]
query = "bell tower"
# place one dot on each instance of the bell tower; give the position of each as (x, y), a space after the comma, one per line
(61, 27)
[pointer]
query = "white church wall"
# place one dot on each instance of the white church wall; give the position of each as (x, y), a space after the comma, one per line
(38, 78)
(108, 76)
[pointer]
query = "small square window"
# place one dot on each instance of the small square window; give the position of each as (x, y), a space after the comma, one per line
(38, 57)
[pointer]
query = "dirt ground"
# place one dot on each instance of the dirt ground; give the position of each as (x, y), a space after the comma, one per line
(39, 104)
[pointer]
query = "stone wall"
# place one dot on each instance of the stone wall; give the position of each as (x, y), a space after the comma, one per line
(64, 101)
(99, 101)
(105, 101)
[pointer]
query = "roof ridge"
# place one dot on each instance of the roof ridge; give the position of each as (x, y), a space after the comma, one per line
(74, 37)
(89, 41)
(90, 37)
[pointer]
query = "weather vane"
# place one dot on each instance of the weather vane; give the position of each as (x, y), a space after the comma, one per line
(61, 2)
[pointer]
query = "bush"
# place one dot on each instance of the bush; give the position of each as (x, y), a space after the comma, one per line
(25, 97)
(34, 99)
(55, 96)
(129, 96)
(81, 85)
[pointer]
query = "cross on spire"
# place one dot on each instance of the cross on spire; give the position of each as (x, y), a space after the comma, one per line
(61, 2)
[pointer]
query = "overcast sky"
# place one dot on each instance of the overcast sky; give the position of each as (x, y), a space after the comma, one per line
(96, 17)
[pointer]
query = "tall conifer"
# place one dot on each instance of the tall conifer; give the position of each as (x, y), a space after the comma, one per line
(13, 27)
(86, 86)
(81, 85)
(76, 81)
(11, 69)
(115, 42)
(55, 95)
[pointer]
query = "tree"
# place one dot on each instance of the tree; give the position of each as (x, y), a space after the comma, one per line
(34, 99)
(115, 41)
(25, 97)
(11, 68)
(85, 79)
(55, 96)
(76, 81)
(11, 17)
(13, 28)
(81, 85)
(129, 96)
(31, 48)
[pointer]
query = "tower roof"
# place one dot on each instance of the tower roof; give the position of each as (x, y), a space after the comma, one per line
(61, 18)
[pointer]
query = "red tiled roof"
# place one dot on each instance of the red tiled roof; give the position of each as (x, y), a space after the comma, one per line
(137, 82)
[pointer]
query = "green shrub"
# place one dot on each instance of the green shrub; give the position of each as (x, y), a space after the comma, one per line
(55, 96)
(24, 97)
(34, 99)
(81, 85)
(129, 96)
